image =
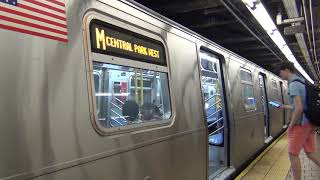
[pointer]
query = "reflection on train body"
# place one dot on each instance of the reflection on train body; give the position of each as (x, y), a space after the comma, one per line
(131, 95)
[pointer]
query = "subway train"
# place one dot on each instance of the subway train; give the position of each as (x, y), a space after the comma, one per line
(109, 89)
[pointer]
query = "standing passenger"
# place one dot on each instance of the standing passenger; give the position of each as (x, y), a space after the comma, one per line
(301, 134)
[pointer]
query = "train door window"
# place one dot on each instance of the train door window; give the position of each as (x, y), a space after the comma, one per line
(213, 100)
(247, 90)
(275, 91)
(130, 79)
(283, 90)
(262, 92)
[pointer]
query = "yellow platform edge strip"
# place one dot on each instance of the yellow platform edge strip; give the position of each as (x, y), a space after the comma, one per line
(254, 162)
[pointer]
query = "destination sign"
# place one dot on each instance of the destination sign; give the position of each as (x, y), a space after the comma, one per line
(115, 41)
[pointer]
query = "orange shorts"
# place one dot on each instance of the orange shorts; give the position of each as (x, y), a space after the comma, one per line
(301, 136)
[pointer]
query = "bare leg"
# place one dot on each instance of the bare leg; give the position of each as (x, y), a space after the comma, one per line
(314, 157)
(295, 166)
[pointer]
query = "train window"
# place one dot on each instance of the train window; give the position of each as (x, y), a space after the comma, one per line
(124, 103)
(276, 94)
(130, 81)
(247, 90)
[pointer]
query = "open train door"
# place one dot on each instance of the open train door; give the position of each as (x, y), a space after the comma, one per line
(264, 99)
(214, 107)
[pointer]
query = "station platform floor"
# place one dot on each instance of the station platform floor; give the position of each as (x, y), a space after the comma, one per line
(274, 164)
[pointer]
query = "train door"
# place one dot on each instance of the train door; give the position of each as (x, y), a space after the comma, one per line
(282, 89)
(213, 99)
(263, 90)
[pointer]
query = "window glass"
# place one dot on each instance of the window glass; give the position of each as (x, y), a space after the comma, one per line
(210, 88)
(249, 102)
(245, 76)
(247, 89)
(126, 95)
(212, 97)
(276, 94)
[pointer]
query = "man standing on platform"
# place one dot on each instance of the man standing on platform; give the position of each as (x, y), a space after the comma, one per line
(301, 133)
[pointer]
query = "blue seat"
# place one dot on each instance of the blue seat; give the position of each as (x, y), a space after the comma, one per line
(216, 139)
(116, 122)
(211, 110)
(212, 118)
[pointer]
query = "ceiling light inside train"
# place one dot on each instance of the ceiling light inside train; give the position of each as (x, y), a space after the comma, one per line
(262, 16)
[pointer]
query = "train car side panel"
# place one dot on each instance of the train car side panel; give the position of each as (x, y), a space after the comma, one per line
(46, 118)
(248, 124)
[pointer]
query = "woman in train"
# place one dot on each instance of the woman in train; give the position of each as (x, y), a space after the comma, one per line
(150, 111)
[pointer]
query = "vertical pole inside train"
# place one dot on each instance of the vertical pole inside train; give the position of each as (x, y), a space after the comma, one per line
(136, 97)
(141, 87)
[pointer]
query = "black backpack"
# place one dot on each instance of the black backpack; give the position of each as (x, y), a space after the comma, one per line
(313, 102)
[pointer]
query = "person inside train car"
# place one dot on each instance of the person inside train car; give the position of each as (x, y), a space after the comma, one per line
(301, 133)
(150, 111)
(130, 111)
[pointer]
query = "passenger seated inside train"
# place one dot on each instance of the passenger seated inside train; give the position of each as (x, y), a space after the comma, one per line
(150, 111)
(130, 111)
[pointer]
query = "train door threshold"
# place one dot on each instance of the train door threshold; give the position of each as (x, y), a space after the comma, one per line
(224, 173)
(268, 139)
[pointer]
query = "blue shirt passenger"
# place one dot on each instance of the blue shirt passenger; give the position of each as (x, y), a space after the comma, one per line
(298, 89)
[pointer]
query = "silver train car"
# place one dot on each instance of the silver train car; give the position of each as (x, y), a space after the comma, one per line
(108, 89)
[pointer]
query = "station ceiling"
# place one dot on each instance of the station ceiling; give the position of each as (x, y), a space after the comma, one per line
(230, 24)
